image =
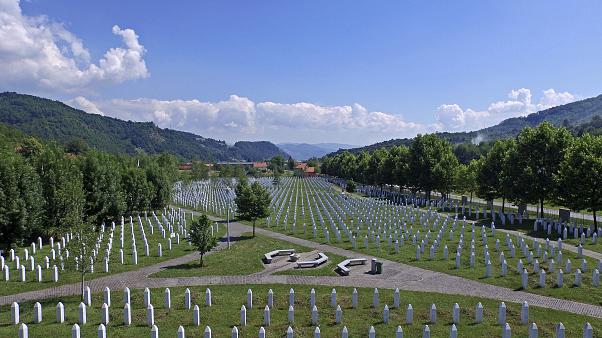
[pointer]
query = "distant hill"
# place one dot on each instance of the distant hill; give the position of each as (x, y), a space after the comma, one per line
(259, 150)
(304, 151)
(56, 121)
(578, 116)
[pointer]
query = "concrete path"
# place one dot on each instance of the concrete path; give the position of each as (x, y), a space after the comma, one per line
(397, 275)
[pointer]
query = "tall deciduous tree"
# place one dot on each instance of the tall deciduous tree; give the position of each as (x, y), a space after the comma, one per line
(62, 188)
(137, 190)
(375, 172)
(277, 164)
(580, 176)
(399, 160)
(20, 200)
(356, 167)
(161, 183)
(102, 186)
(494, 173)
(432, 164)
(199, 235)
(536, 161)
(199, 171)
(252, 201)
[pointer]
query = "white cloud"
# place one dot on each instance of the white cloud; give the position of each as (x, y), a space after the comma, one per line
(452, 117)
(312, 116)
(84, 104)
(36, 52)
(240, 118)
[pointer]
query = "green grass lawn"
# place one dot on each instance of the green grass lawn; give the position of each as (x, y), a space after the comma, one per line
(66, 277)
(227, 300)
(586, 293)
(244, 258)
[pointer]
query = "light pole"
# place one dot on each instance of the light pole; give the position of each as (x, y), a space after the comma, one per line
(228, 228)
(228, 221)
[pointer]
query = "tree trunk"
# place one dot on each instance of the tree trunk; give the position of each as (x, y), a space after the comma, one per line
(253, 228)
(595, 222)
(82, 286)
(503, 204)
(471, 197)
(541, 206)
(201, 260)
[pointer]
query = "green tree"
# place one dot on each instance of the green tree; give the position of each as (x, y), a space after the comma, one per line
(199, 235)
(20, 200)
(161, 183)
(80, 248)
(375, 171)
(291, 163)
(137, 189)
(494, 172)
(62, 188)
(580, 176)
(466, 179)
(536, 161)
(199, 171)
(432, 164)
(105, 199)
(252, 202)
(350, 186)
(77, 146)
(31, 147)
(401, 171)
(277, 164)
(312, 162)
(356, 167)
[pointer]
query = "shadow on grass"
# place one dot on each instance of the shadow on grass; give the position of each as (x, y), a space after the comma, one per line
(233, 239)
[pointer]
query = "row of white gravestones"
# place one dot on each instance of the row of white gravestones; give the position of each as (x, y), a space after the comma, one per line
(426, 332)
(506, 330)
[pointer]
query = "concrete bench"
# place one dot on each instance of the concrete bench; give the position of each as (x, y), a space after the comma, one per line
(285, 252)
(322, 258)
(343, 266)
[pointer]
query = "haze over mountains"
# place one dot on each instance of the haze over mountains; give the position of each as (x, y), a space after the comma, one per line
(304, 151)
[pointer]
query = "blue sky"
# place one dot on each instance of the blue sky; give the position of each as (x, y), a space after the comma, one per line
(319, 71)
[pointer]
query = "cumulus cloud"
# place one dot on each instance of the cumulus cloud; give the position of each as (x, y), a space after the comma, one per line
(84, 104)
(520, 103)
(240, 118)
(36, 52)
(313, 116)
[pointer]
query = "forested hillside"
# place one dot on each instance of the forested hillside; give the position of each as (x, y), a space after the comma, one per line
(260, 150)
(53, 120)
(578, 116)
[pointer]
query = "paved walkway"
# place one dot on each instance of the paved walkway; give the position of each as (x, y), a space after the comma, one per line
(397, 275)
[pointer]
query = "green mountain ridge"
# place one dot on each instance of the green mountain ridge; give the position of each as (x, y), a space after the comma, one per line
(56, 121)
(580, 116)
